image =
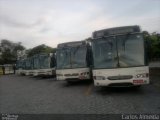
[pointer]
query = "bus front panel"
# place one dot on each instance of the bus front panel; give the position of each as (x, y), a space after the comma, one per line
(132, 76)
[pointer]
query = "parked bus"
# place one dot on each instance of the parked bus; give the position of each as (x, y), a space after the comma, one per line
(73, 61)
(119, 57)
(44, 65)
(7, 69)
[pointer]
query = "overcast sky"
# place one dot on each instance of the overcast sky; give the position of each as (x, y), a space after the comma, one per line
(35, 22)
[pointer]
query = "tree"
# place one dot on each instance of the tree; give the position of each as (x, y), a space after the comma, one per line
(9, 51)
(153, 44)
(40, 49)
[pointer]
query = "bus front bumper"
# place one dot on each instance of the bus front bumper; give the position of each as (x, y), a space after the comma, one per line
(121, 83)
(47, 72)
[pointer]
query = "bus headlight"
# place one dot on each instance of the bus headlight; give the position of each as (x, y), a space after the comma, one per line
(99, 77)
(143, 75)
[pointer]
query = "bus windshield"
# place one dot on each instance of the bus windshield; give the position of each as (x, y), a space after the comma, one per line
(28, 64)
(119, 51)
(19, 64)
(78, 57)
(74, 57)
(63, 58)
(36, 63)
(44, 61)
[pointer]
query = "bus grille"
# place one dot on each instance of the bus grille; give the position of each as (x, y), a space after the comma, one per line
(120, 77)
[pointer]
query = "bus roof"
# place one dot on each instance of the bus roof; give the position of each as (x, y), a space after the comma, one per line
(116, 30)
(72, 44)
(42, 54)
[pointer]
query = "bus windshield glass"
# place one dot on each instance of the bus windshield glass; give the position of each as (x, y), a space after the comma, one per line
(78, 57)
(19, 64)
(28, 64)
(63, 58)
(119, 51)
(44, 61)
(74, 57)
(36, 63)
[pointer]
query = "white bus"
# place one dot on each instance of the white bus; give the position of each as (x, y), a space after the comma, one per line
(44, 65)
(119, 57)
(73, 61)
(8, 69)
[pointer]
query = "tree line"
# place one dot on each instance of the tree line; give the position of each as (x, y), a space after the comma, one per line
(9, 50)
(153, 45)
